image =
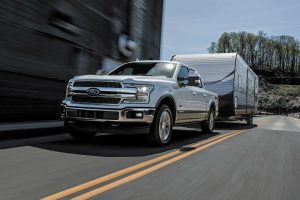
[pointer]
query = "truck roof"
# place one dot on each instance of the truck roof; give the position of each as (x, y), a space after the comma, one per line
(206, 56)
(165, 61)
(153, 61)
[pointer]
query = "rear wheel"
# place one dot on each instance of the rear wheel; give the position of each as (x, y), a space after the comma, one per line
(209, 125)
(161, 128)
(250, 119)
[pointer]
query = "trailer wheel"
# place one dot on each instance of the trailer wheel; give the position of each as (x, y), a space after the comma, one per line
(209, 125)
(250, 119)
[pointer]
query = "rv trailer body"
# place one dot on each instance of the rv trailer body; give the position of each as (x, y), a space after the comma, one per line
(228, 75)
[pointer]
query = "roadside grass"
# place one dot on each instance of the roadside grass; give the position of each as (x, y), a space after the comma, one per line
(279, 98)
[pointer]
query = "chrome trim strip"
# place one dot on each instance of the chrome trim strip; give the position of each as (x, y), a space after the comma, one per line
(106, 89)
(96, 80)
(118, 96)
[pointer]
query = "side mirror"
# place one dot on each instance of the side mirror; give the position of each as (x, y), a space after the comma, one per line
(182, 81)
(194, 81)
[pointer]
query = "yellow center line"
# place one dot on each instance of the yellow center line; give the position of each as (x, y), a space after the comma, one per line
(127, 170)
(149, 170)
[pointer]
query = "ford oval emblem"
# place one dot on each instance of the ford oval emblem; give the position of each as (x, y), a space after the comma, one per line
(93, 91)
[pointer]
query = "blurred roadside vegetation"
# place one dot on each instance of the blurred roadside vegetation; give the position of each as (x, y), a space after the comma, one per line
(279, 99)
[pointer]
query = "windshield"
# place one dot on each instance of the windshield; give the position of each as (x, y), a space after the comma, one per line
(146, 69)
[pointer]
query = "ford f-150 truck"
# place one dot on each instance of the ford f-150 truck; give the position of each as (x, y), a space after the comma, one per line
(141, 97)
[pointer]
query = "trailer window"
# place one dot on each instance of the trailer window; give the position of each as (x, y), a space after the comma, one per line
(256, 86)
(239, 81)
(250, 86)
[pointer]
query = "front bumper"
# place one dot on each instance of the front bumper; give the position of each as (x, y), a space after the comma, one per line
(130, 115)
(123, 128)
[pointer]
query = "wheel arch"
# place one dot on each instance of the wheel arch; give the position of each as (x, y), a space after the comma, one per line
(170, 101)
(212, 105)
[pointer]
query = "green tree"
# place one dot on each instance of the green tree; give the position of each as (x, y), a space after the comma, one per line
(262, 52)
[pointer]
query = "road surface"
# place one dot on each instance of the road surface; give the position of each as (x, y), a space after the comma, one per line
(236, 162)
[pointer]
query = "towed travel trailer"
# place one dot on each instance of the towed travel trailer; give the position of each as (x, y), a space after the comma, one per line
(228, 75)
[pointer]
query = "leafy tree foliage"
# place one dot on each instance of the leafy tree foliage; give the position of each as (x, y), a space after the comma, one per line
(264, 54)
(279, 98)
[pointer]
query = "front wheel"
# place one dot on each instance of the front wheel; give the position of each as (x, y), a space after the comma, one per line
(209, 125)
(161, 128)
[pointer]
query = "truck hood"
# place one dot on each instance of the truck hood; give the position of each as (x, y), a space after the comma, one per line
(124, 79)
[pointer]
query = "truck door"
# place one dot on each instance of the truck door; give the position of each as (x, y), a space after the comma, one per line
(199, 95)
(186, 105)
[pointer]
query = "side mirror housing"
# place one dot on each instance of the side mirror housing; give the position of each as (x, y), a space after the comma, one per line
(195, 81)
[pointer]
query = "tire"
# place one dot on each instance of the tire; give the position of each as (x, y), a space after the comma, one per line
(249, 119)
(161, 127)
(82, 136)
(209, 125)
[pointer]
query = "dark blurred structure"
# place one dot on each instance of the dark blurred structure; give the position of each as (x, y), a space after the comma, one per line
(44, 43)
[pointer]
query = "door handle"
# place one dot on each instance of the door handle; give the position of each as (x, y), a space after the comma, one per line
(194, 93)
(204, 95)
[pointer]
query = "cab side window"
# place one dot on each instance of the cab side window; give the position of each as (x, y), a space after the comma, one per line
(183, 76)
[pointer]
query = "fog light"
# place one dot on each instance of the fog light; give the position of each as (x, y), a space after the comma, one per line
(139, 115)
(134, 115)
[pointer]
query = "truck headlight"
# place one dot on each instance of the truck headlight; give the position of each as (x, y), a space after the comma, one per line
(143, 93)
(68, 89)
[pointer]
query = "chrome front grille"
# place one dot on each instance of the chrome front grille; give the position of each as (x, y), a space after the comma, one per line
(97, 84)
(100, 100)
(107, 92)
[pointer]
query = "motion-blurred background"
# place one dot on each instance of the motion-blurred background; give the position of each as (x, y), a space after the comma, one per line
(45, 43)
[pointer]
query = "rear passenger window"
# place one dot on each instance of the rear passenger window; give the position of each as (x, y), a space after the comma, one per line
(183, 76)
(183, 72)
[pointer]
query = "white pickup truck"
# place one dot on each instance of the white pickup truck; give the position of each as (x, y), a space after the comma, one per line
(142, 97)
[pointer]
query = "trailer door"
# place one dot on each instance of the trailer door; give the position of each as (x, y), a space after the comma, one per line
(250, 92)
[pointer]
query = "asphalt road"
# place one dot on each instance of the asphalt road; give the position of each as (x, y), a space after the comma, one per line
(236, 162)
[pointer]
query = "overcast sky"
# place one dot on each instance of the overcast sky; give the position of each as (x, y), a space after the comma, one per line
(189, 26)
